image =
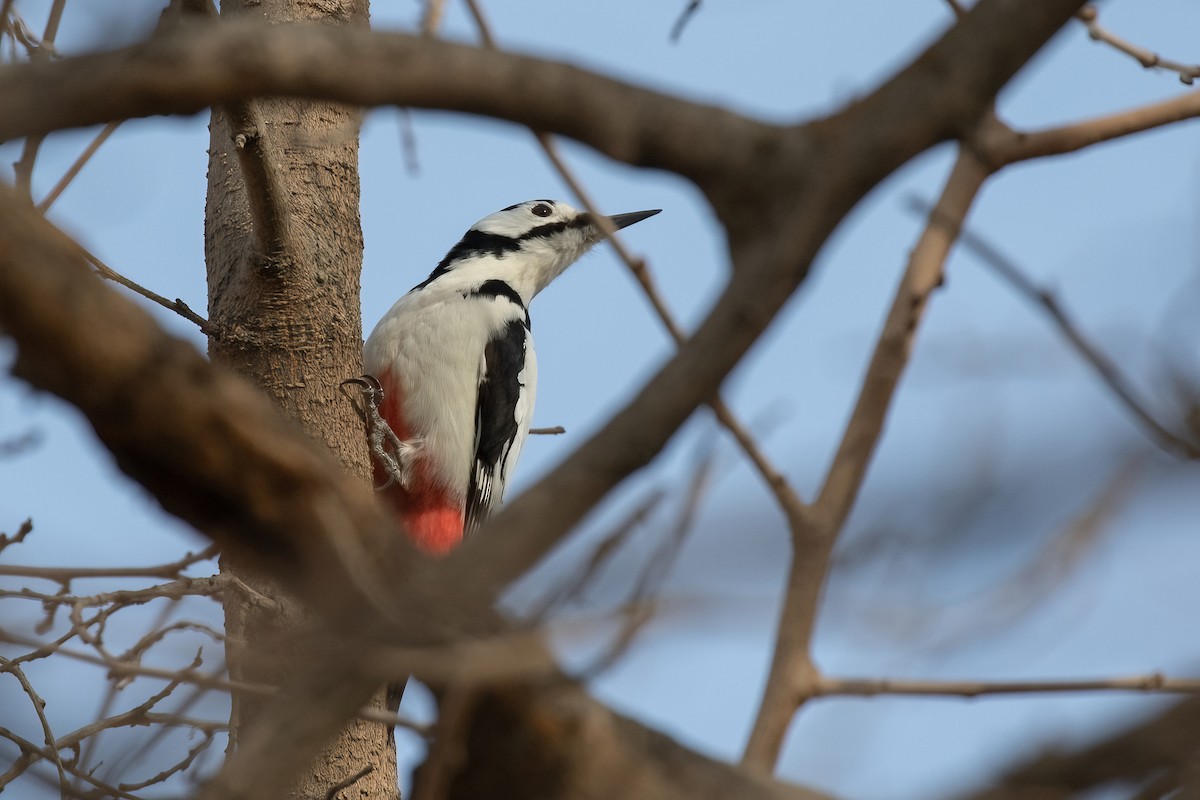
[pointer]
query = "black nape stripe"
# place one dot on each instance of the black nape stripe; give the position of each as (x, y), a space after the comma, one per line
(473, 243)
(498, 288)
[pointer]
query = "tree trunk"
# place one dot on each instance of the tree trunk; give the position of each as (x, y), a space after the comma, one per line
(283, 246)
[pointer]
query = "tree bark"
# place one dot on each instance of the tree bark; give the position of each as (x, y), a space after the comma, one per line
(283, 246)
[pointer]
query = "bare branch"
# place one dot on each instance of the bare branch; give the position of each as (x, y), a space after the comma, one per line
(685, 17)
(1108, 371)
(556, 430)
(640, 607)
(601, 555)
(793, 678)
(1154, 682)
(72, 171)
(956, 8)
(178, 306)
(1000, 145)
(448, 752)
(1151, 753)
(171, 569)
(431, 19)
(348, 782)
(39, 708)
(1090, 17)
(23, 530)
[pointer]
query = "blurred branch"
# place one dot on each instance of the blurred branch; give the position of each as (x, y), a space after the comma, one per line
(793, 678)
(1154, 750)
(1000, 145)
(1090, 16)
(268, 494)
(431, 19)
(685, 17)
(1107, 370)
(956, 8)
(570, 588)
(42, 49)
(640, 607)
(72, 171)
(20, 443)
(39, 708)
(1154, 682)
(23, 530)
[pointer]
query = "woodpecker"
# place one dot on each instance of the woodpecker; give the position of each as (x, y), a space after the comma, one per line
(455, 361)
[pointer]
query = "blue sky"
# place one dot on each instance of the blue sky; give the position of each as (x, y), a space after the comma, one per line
(996, 414)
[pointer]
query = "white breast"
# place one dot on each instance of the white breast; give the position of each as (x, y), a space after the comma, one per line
(432, 341)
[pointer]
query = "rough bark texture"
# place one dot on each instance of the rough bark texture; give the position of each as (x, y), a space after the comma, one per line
(283, 246)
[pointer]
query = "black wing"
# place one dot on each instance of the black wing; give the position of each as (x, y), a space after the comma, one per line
(498, 430)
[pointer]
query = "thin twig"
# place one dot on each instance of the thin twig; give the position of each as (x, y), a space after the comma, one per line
(408, 143)
(1108, 371)
(864, 687)
(213, 682)
(553, 431)
(29, 153)
(348, 782)
(1090, 17)
(23, 530)
(178, 306)
(179, 766)
(639, 609)
(173, 569)
(684, 18)
(39, 708)
(75, 168)
(601, 555)
(183, 587)
(6, 8)
(1002, 145)
(29, 749)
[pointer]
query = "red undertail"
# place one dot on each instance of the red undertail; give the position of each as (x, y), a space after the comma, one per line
(432, 518)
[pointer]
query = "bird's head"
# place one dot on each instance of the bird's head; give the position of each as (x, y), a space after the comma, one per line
(538, 239)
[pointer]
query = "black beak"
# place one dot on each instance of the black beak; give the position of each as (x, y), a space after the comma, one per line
(625, 220)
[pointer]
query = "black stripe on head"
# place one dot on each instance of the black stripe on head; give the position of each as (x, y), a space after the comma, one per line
(552, 228)
(473, 243)
(498, 288)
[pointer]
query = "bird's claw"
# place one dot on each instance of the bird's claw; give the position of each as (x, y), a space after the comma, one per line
(395, 456)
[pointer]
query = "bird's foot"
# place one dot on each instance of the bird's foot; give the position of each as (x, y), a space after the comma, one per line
(394, 456)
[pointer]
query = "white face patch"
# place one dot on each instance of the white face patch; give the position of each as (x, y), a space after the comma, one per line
(517, 220)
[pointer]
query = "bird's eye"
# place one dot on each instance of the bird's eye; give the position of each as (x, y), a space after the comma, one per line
(542, 210)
